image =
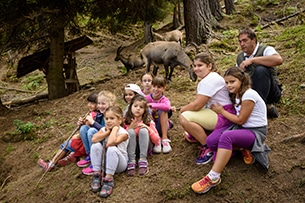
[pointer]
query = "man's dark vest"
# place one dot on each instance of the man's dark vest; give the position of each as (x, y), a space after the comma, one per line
(250, 68)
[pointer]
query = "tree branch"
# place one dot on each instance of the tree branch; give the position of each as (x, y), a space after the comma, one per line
(282, 19)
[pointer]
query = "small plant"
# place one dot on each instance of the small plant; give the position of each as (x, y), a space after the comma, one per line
(9, 148)
(36, 156)
(22, 127)
(32, 82)
(302, 182)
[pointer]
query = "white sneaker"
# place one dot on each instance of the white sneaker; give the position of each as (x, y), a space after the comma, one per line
(166, 146)
(157, 148)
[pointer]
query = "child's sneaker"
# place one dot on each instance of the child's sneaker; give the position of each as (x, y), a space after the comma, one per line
(45, 165)
(67, 160)
(205, 184)
(88, 171)
(84, 163)
(166, 146)
(143, 167)
(189, 137)
(96, 182)
(248, 157)
(131, 169)
(170, 124)
(108, 184)
(205, 155)
(157, 148)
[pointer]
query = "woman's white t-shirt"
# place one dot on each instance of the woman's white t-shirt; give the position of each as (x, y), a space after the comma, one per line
(214, 86)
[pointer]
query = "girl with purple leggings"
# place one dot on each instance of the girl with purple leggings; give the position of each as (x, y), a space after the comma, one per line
(248, 132)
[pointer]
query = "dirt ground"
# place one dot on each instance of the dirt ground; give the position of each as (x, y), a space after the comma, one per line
(170, 175)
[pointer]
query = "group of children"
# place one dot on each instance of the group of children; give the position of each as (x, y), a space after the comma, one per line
(226, 115)
(114, 141)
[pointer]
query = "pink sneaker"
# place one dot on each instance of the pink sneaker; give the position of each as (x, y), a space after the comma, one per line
(88, 171)
(166, 146)
(170, 124)
(84, 163)
(157, 148)
(67, 160)
(45, 165)
(189, 137)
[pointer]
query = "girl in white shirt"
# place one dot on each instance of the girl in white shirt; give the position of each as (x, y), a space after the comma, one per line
(248, 132)
(196, 118)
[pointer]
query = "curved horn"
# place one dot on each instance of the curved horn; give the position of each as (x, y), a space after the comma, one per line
(119, 49)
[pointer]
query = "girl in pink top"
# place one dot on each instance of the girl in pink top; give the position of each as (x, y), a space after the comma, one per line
(142, 132)
(160, 106)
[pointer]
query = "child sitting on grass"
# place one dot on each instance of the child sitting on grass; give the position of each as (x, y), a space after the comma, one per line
(92, 126)
(71, 152)
(112, 140)
(142, 133)
(160, 106)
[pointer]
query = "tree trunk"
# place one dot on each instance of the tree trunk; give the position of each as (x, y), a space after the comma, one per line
(55, 78)
(229, 5)
(216, 9)
(177, 15)
(148, 36)
(197, 18)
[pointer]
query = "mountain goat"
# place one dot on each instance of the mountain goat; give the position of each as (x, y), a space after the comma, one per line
(170, 54)
(174, 35)
(130, 62)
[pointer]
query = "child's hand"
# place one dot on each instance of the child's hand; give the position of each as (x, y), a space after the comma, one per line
(90, 120)
(80, 121)
(217, 108)
(107, 130)
(133, 124)
(173, 108)
(142, 125)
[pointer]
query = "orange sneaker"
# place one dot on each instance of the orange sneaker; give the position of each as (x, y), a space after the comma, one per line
(205, 184)
(248, 157)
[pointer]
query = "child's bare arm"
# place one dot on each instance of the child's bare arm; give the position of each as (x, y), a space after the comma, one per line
(113, 139)
(100, 135)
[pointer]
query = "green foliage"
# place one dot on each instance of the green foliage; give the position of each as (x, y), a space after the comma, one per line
(222, 46)
(32, 82)
(267, 2)
(9, 148)
(255, 20)
(286, 11)
(230, 34)
(293, 51)
(46, 124)
(122, 69)
(22, 127)
(302, 182)
(294, 38)
(36, 156)
(115, 16)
